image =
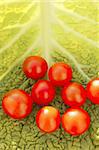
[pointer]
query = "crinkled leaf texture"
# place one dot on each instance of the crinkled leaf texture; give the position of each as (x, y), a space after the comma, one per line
(58, 30)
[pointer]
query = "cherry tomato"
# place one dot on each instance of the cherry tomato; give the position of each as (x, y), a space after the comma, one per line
(93, 90)
(74, 94)
(35, 67)
(75, 121)
(48, 119)
(43, 92)
(60, 74)
(17, 104)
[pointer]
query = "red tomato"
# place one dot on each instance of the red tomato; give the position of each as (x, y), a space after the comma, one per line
(75, 121)
(35, 67)
(48, 119)
(43, 92)
(74, 94)
(93, 90)
(60, 74)
(17, 104)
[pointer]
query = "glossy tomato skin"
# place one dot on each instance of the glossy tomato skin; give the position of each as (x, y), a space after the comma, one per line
(74, 94)
(93, 90)
(43, 92)
(60, 74)
(48, 119)
(17, 104)
(75, 121)
(35, 67)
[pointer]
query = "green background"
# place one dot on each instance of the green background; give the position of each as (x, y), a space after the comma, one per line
(59, 31)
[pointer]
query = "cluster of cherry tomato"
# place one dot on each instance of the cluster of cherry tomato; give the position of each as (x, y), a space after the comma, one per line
(18, 104)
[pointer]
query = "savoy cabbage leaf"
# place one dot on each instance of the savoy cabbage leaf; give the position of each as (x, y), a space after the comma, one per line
(58, 30)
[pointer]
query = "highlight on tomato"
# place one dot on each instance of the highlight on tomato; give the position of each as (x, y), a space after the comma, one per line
(74, 94)
(43, 92)
(93, 90)
(75, 121)
(48, 119)
(60, 74)
(17, 104)
(35, 67)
